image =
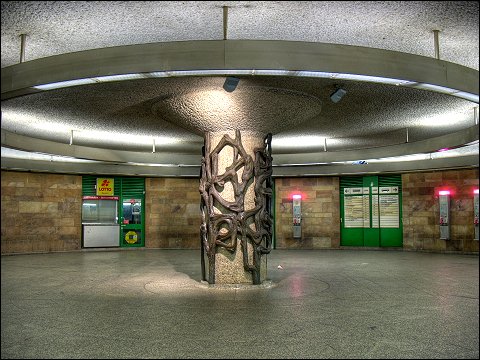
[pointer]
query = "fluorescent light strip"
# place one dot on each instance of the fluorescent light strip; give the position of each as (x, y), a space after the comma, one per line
(160, 165)
(374, 79)
(300, 164)
(466, 96)
(436, 88)
(469, 149)
(252, 72)
(178, 73)
(62, 84)
(25, 155)
(445, 90)
(9, 153)
(119, 77)
(69, 83)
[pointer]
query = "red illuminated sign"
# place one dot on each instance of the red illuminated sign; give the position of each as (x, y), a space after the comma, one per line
(445, 191)
(100, 197)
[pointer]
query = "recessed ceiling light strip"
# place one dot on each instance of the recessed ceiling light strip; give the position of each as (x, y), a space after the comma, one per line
(294, 73)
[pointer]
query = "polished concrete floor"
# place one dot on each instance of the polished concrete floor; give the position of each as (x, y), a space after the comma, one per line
(319, 304)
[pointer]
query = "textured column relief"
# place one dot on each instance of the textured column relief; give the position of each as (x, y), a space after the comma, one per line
(236, 197)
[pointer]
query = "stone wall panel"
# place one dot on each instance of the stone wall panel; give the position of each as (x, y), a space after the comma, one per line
(172, 213)
(39, 210)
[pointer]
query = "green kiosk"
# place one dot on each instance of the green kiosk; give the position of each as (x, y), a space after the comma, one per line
(113, 212)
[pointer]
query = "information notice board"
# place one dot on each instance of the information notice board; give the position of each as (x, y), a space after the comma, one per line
(353, 211)
(384, 206)
(389, 211)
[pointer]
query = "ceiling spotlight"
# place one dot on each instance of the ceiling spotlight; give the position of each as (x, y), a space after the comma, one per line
(337, 95)
(230, 83)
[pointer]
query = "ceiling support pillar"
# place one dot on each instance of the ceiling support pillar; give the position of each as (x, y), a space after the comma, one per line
(236, 202)
(22, 47)
(436, 43)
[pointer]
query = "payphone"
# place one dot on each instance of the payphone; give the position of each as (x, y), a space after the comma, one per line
(444, 199)
(475, 213)
(297, 216)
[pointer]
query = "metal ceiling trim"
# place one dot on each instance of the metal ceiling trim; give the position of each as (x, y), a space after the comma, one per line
(455, 139)
(97, 168)
(470, 161)
(236, 54)
(26, 143)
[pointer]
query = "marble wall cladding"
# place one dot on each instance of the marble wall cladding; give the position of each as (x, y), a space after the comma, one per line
(320, 212)
(40, 212)
(172, 213)
(421, 210)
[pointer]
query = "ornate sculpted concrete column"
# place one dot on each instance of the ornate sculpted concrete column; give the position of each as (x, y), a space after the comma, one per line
(236, 197)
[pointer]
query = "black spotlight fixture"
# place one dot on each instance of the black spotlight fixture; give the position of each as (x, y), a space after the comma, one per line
(337, 95)
(230, 84)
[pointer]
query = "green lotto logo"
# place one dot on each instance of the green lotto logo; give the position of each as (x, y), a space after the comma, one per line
(104, 186)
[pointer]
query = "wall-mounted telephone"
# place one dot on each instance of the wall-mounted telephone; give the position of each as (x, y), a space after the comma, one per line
(475, 213)
(297, 216)
(444, 202)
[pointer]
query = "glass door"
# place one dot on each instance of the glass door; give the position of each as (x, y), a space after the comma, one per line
(132, 222)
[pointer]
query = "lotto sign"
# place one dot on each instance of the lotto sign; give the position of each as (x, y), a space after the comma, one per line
(104, 187)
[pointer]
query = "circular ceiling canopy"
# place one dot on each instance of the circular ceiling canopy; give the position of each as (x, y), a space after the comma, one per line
(106, 86)
(176, 112)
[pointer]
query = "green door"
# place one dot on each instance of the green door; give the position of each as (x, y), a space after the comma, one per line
(351, 211)
(370, 211)
(132, 212)
(371, 232)
(390, 205)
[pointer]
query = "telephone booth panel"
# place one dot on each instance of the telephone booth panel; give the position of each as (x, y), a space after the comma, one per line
(444, 221)
(476, 214)
(297, 216)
